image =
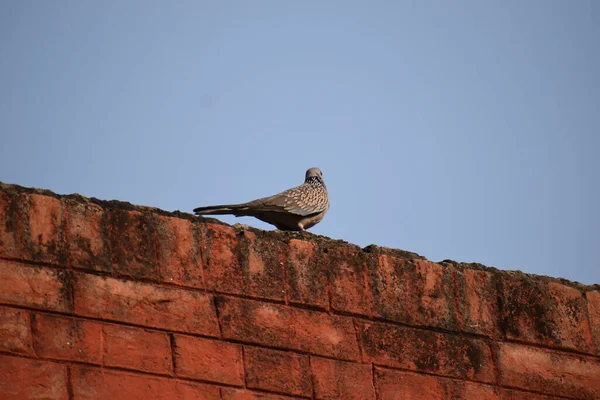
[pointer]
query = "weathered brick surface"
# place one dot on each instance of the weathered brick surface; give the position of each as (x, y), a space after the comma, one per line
(67, 338)
(335, 379)
(32, 227)
(106, 300)
(145, 304)
(220, 246)
(209, 360)
(432, 352)
(15, 331)
(21, 379)
(277, 371)
(241, 394)
(36, 287)
(288, 328)
(87, 245)
(476, 302)
(9, 224)
(422, 293)
(403, 385)
(179, 260)
(413, 292)
(307, 277)
(131, 237)
(547, 371)
(509, 394)
(45, 240)
(593, 303)
(350, 269)
(239, 263)
(95, 383)
(136, 348)
(551, 314)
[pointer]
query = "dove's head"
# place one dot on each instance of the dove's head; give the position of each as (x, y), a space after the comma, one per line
(314, 175)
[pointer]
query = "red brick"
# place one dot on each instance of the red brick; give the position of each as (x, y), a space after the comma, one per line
(67, 338)
(351, 290)
(404, 385)
(288, 327)
(593, 302)
(241, 264)
(209, 360)
(32, 228)
(46, 229)
(548, 313)
(477, 302)
(306, 277)
(15, 331)
(413, 292)
(10, 221)
(219, 246)
(131, 239)
(547, 371)
(21, 379)
(342, 380)
(137, 348)
(145, 304)
(427, 351)
(96, 383)
(474, 391)
(36, 287)
(86, 240)
(277, 371)
(241, 394)
(179, 260)
(508, 394)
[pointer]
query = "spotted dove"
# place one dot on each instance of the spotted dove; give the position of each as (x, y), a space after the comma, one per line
(295, 209)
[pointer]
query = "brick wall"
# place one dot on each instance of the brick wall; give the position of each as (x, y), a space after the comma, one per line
(105, 300)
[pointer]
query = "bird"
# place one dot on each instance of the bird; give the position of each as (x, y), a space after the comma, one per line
(295, 209)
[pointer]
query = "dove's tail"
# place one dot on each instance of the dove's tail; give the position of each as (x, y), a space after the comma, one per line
(234, 209)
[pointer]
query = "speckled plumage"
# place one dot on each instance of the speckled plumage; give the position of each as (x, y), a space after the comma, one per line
(295, 209)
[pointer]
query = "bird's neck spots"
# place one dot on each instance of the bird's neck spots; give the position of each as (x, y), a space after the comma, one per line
(313, 180)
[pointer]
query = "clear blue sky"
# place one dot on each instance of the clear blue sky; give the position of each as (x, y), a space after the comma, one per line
(467, 130)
